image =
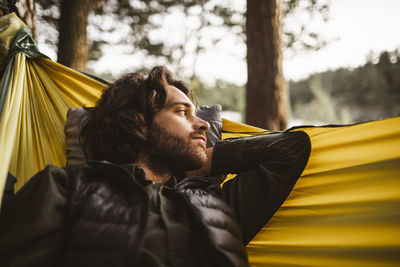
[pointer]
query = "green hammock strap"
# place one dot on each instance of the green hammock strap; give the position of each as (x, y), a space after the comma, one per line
(24, 43)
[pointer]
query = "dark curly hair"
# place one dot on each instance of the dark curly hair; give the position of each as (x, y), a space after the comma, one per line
(115, 128)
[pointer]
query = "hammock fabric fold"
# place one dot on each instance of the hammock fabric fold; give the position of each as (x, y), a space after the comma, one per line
(344, 210)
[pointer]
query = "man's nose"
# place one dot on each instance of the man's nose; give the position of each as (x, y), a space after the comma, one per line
(201, 125)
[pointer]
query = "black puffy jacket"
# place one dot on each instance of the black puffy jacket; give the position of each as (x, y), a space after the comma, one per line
(95, 214)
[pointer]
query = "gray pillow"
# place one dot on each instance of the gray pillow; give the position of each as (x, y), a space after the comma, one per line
(75, 118)
(211, 114)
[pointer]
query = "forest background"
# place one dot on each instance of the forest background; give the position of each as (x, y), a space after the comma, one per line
(179, 33)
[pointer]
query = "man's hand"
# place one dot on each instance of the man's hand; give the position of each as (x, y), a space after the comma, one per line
(206, 169)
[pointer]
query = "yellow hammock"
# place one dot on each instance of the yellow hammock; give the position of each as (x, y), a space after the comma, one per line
(343, 211)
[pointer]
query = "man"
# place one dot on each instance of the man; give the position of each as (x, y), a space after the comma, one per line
(149, 195)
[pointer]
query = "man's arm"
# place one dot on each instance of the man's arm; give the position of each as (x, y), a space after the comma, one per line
(268, 166)
(32, 222)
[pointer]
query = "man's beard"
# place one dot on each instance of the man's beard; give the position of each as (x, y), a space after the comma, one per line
(176, 154)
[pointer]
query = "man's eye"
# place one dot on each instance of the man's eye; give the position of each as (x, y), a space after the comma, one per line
(181, 111)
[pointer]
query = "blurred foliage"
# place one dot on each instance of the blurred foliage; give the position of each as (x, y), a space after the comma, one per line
(321, 108)
(136, 25)
(229, 95)
(299, 35)
(369, 92)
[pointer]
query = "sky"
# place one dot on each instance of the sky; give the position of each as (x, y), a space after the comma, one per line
(356, 28)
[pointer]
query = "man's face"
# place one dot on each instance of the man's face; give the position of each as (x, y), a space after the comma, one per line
(177, 135)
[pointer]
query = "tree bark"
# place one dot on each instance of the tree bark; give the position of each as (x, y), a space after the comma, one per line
(267, 103)
(72, 40)
(27, 11)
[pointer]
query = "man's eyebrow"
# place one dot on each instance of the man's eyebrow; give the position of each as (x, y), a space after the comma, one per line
(186, 104)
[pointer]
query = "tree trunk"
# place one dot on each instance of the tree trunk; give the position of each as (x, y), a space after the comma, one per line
(26, 9)
(72, 40)
(267, 104)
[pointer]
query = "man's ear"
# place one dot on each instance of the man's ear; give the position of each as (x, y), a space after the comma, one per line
(153, 98)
